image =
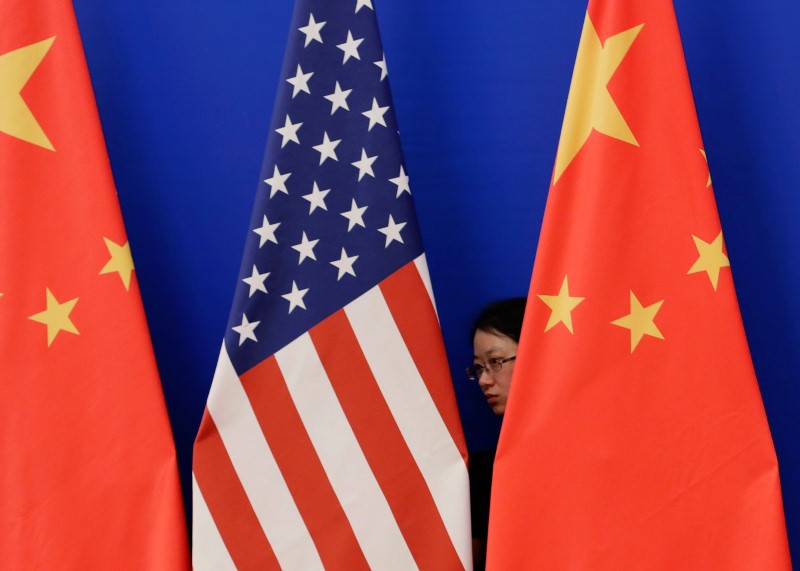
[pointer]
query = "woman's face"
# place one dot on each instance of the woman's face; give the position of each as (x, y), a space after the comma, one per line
(495, 385)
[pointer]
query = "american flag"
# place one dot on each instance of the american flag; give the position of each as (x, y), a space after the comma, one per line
(331, 437)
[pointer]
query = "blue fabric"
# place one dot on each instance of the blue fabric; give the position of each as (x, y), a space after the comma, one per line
(324, 158)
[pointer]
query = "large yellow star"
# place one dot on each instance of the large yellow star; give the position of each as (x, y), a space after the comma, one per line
(711, 259)
(120, 262)
(16, 68)
(589, 104)
(56, 317)
(561, 307)
(640, 321)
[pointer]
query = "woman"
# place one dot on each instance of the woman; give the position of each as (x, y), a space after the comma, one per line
(495, 337)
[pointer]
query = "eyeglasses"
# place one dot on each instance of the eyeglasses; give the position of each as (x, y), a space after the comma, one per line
(474, 372)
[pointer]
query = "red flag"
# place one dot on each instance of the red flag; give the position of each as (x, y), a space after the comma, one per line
(89, 478)
(635, 436)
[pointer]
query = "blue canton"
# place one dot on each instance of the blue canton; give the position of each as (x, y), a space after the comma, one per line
(324, 230)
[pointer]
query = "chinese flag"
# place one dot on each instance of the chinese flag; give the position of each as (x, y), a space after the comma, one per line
(635, 436)
(88, 478)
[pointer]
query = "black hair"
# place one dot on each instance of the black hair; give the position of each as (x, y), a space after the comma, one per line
(503, 317)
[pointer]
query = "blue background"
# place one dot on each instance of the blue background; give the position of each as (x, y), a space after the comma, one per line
(185, 92)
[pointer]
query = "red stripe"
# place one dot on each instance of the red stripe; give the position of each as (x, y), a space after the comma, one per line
(384, 447)
(301, 468)
(227, 501)
(413, 311)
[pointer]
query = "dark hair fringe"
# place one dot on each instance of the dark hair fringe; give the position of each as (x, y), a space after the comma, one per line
(503, 317)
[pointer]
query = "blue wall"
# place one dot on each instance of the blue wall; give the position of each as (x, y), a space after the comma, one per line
(185, 93)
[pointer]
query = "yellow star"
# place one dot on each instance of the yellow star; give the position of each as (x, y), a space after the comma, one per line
(640, 321)
(120, 262)
(561, 307)
(16, 68)
(589, 104)
(703, 152)
(56, 317)
(711, 259)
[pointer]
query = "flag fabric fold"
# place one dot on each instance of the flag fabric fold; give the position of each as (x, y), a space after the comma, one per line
(635, 436)
(89, 477)
(331, 437)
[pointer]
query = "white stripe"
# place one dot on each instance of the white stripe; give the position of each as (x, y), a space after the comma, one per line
(412, 406)
(342, 458)
(208, 550)
(257, 470)
(422, 267)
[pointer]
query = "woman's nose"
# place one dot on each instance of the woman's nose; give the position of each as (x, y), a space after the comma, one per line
(485, 379)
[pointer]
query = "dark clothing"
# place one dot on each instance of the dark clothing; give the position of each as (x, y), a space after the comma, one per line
(480, 487)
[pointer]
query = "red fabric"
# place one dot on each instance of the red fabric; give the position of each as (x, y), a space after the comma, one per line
(88, 473)
(647, 455)
(288, 434)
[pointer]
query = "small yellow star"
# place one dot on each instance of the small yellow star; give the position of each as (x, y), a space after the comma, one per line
(711, 259)
(640, 321)
(56, 317)
(589, 104)
(561, 307)
(16, 68)
(120, 262)
(703, 152)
